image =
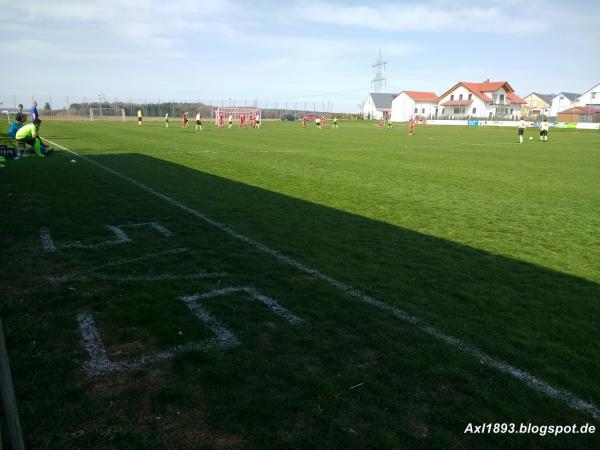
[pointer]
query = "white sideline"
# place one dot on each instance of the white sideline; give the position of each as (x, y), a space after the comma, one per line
(533, 382)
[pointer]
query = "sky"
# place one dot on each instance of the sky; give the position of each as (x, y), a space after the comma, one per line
(297, 53)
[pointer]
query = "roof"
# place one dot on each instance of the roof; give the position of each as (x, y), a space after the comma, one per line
(419, 96)
(545, 97)
(570, 95)
(382, 100)
(457, 103)
(514, 98)
(591, 89)
(580, 110)
(479, 89)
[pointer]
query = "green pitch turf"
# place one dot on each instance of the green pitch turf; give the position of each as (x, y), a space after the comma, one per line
(490, 242)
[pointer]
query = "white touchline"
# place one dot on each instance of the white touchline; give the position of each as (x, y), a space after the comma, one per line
(532, 381)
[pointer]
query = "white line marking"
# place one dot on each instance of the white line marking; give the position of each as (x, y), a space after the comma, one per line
(98, 362)
(121, 238)
(255, 295)
(222, 333)
(158, 277)
(47, 242)
(157, 226)
(533, 382)
(119, 262)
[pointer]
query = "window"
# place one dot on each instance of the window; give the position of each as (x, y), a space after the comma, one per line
(593, 95)
(470, 96)
(416, 110)
(474, 111)
(452, 97)
(456, 110)
(460, 97)
(501, 98)
(422, 110)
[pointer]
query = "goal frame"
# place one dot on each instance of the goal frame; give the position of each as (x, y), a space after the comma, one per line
(99, 113)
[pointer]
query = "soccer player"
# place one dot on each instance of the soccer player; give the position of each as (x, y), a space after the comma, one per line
(242, 121)
(251, 121)
(29, 134)
(198, 121)
(318, 122)
(257, 121)
(389, 123)
(20, 120)
(184, 120)
(544, 131)
(167, 120)
(411, 126)
(20, 117)
(221, 125)
(303, 121)
(139, 117)
(33, 112)
(334, 124)
(522, 125)
(381, 123)
(230, 121)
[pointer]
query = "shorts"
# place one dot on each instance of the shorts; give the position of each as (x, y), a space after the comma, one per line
(139, 118)
(198, 122)
(521, 131)
(544, 133)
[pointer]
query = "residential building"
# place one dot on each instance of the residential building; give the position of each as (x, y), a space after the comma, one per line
(591, 97)
(563, 101)
(489, 100)
(420, 105)
(579, 114)
(537, 105)
(378, 105)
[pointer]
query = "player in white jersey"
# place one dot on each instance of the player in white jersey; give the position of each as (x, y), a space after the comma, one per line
(230, 121)
(167, 120)
(257, 119)
(522, 126)
(198, 121)
(544, 131)
(318, 122)
(139, 117)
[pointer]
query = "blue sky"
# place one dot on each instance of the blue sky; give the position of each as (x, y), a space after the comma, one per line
(294, 51)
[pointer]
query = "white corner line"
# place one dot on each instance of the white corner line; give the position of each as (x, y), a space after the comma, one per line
(533, 382)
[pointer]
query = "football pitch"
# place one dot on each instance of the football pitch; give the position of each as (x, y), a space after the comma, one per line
(301, 288)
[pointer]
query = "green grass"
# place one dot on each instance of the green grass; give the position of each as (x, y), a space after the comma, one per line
(490, 241)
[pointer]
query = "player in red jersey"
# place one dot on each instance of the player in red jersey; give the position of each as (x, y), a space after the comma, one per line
(251, 120)
(221, 123)
(184, 120)
(242, 121)
(411, 126)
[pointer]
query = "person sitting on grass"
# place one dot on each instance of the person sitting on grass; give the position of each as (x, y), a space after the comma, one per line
(29, 134)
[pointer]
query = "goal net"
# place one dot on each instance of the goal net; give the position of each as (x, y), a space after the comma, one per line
(107, 114)
(236, 114)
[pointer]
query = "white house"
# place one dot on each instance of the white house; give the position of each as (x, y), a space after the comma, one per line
(415, 104)
(591, 97)
(490, 100)
(378, 105)
(562, 101)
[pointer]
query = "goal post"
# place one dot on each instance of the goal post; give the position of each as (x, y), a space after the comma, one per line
(107, 114)
(235, 114)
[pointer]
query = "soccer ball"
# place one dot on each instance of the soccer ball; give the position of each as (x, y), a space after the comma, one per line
(531, 138)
